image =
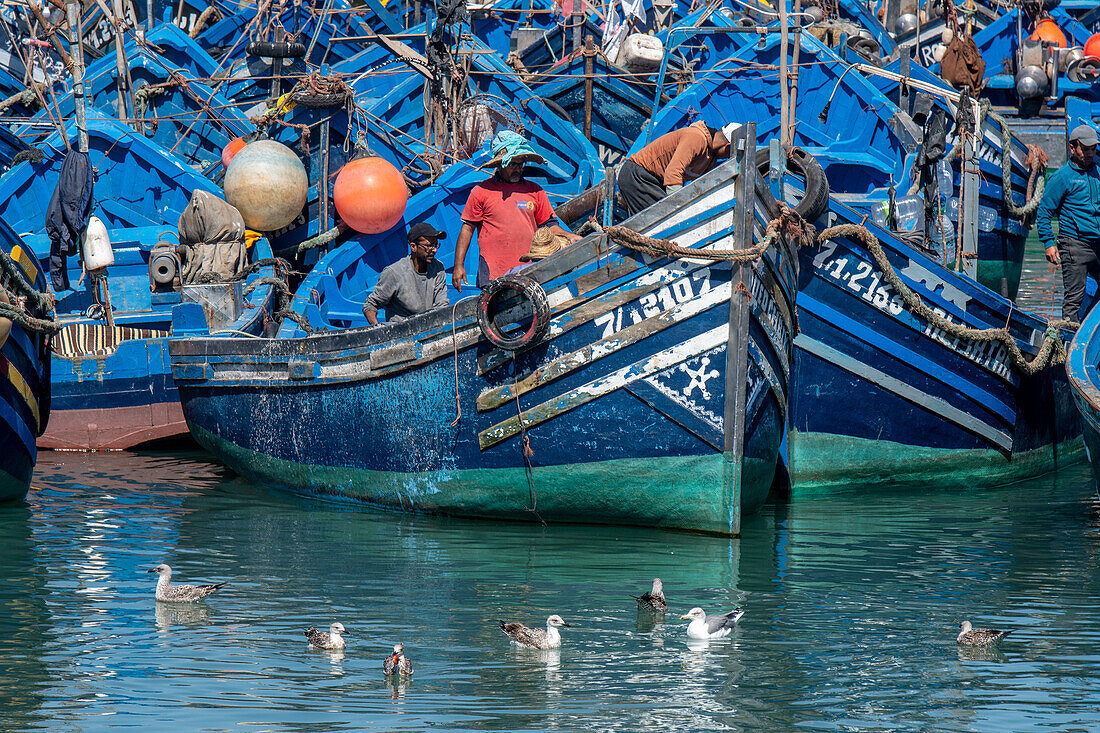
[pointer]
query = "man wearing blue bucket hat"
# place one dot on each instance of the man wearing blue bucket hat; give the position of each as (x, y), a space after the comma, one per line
(504, 212)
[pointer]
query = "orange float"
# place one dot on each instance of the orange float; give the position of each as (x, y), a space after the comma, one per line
(370, 195)
(1092, 46)
(1048, 31)
(231, 148)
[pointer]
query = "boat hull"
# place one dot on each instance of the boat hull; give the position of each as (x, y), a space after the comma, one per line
(619, 417)
(932, 407)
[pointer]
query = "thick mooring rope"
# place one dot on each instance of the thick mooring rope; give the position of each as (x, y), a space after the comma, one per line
(1052, 351)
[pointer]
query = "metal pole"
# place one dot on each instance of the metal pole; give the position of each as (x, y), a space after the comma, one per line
(737, 343)
(149, 20)
(76, 42)
(794, 69)
(589, 54)
(277, 67)
(578, 22)
(968, 206)
(784, 100)
(322, 185)
(120, 59)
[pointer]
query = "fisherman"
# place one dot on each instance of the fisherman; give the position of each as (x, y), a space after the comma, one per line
(505, 211)
(1073, 195)
(413, 284)
(675, 158)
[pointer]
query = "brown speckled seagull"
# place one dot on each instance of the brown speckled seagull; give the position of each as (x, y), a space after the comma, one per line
(397, 663)
(327, 640)
(169, 593)
(653, 600)
(535, 638)
(969, 636)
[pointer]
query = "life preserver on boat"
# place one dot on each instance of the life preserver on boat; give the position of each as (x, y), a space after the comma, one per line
(271, 50)
(816, 199)
(527, 289)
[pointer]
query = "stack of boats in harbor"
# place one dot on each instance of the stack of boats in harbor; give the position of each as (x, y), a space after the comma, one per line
(831, 309)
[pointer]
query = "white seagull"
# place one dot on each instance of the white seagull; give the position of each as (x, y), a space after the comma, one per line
(398, 663)
(969, 636)
(535, 638)
(179, 593)
(703, 626)
(330, 640)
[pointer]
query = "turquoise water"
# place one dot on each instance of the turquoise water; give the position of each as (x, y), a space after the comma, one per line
(852, 605)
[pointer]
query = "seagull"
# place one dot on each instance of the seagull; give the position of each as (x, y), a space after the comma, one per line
(654, 599)
(703, 626)
(397, 663)
(179, 593)
(535, 638)
(331, 640)
(969, 636)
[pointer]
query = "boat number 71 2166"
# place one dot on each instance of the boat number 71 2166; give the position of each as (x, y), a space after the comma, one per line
(859, 276)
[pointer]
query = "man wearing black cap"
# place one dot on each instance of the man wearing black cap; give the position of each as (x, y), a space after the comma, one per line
(413, 284)
(1073, 195)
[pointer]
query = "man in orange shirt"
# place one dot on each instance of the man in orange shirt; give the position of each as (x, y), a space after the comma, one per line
(504, 211)
(670, 161)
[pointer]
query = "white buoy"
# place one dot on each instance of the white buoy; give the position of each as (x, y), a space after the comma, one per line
(97, 246)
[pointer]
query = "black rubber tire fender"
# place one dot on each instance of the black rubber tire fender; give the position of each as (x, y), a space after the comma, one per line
(815, 202)
(319, 101)
(526, 288)
(273, 50)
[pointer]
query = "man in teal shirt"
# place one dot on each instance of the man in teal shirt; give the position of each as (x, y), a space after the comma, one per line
(1073, 195)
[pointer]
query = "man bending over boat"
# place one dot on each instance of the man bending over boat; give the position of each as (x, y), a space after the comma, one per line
(504, 211)
(413, 284)
(1073, 195)
(666, 164)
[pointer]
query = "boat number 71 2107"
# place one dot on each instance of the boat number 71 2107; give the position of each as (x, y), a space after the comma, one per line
(655, 303)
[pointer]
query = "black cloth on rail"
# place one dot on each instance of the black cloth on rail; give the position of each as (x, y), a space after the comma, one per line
(68, 214)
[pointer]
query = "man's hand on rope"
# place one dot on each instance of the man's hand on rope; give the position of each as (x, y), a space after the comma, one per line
(1052, 255)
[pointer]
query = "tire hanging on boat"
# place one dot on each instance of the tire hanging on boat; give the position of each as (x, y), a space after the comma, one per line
(271, 50)
(816, 199)
(319, 101)
(526, 289)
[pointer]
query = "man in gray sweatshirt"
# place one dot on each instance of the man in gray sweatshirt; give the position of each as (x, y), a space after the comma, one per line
(413, 284)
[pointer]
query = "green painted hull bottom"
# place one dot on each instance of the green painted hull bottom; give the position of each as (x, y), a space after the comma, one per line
(990, 273)
(11, 489)
(679, 492)
(824, 462)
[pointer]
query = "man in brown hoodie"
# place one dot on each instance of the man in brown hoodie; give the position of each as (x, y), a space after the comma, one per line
(670, 161)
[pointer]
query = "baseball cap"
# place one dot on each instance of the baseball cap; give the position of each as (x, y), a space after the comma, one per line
(729, 129)
(426, 230)
(1084, 134)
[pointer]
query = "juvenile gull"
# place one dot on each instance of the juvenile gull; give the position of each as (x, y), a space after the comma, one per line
(330, 640)
(969, 636)
(703, 626)
(535, 638)
(397, 663)
(179, 593)
(653, 599)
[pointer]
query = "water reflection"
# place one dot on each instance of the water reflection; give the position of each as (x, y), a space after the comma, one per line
(182, 614)
(990, 653)
(847, 600)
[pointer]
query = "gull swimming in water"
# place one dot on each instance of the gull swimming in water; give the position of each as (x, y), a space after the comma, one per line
(535, 638)
(654, 599)
(330, 640)
(179, 593)
(398, 663)
(969, 636)
(703, 626)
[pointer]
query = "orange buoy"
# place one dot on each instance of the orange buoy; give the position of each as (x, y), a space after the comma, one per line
(370, 195)
(231, 148)
(1092, 46)
(1047, 30)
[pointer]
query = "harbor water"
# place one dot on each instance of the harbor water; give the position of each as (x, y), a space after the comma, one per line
(852, 602)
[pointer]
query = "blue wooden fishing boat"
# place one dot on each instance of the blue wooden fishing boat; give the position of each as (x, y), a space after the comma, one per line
(111, 381)
(1083, 370)
(629, 411)
(24, 366)
(882, 396)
